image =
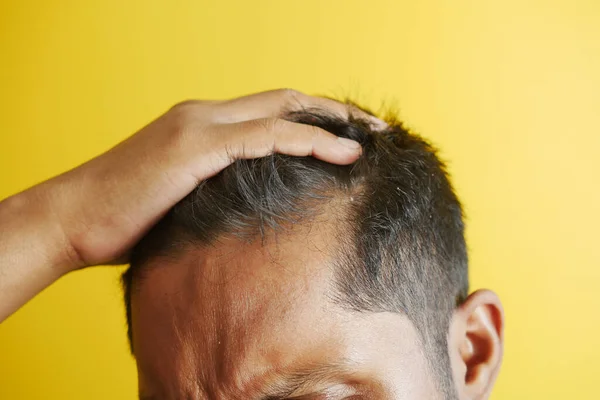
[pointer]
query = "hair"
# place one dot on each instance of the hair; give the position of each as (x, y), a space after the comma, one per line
(403, 248)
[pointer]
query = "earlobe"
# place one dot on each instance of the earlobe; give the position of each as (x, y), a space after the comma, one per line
(477, 341)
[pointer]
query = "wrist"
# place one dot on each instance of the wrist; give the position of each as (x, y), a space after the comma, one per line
(33, 249)
(35, 208)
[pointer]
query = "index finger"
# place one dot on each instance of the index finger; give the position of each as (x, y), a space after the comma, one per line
(259, 138)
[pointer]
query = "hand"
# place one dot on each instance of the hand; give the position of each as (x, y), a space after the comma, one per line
(106, 205)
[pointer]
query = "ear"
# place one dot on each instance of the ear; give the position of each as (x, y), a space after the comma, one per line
(476, 343)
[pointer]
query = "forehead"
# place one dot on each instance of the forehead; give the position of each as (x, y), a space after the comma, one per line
(233, 316)
(229, 302)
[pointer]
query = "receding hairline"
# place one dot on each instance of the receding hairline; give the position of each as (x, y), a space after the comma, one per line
(409, 197)
(331, 210)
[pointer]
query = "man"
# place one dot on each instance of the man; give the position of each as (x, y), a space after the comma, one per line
(257, 275)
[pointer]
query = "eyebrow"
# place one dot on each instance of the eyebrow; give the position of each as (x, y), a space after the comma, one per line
(289, 383)
(303, 379)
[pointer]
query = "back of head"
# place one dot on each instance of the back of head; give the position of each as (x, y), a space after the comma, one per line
(403, 249)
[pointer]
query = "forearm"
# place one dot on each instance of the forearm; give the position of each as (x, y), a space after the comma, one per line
(34, 251)
(95, 213)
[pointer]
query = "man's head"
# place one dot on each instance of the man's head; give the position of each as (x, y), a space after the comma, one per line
(286, 277)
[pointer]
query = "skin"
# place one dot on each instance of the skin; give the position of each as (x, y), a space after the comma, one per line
(235, 319)
(94, 214)
(238, 319)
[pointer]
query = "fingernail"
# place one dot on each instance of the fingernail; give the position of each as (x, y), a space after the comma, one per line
(349, 143)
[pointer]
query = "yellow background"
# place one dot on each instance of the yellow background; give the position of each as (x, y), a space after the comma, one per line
(510, 90)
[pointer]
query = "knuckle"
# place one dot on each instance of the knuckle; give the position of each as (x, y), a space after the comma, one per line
(288, 95)
(267, 131)
(184, 121)
(181, 115)
(314, 131)
(268, 125)
(180, 121)
(187, 111)
(186, 104)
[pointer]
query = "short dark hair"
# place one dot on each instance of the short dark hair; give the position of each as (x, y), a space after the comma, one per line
(404, 249)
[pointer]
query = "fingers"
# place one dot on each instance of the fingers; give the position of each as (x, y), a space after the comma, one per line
(261, 137)
(275, 103)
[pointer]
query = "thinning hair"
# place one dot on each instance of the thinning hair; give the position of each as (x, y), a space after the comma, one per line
(403, 249)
